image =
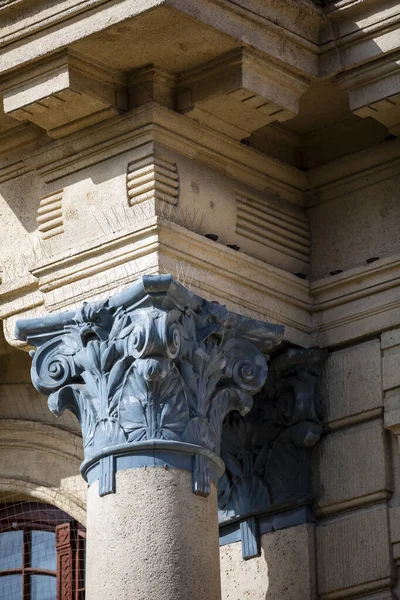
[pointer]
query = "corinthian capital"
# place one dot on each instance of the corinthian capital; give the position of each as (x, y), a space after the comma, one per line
(268, 454)
(153, 372)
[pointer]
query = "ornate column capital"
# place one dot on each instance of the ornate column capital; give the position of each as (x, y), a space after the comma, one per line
(151, 374)
(268, 452)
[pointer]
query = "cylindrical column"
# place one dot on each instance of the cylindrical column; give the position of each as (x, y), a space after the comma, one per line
(151, 374)
(153, 539)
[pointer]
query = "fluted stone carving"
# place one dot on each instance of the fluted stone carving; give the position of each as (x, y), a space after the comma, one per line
(150, 373)
(268, 452)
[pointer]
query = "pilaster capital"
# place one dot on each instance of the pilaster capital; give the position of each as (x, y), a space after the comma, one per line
(153, 369)
(268, 452)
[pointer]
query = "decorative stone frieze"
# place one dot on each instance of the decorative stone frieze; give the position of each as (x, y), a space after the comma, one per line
(151, 374)
(268, 452)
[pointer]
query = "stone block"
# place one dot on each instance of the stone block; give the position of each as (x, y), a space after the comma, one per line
(375, 92)
(284, 232)
(64, 94)
(394, 519)
(22, 401)
(390, 367)
(284, 571)
(239, 93)
(151, 84)
(352, 468)
(340, 228)
(392, 411)
(390, 339)
(353, 554)
(351, 382)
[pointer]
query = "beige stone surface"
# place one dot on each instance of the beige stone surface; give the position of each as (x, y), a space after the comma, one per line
(352, 468)
(239, 93)
(65, 89)
(392, 410)
(390, 338)
(390, 370)
(350, 384)
(354, 554)
(153, 538)
(185, 32)
(42, 462)
(340, 229)
(360, 302)
(394, 519)
(284, 571)
(121, 195)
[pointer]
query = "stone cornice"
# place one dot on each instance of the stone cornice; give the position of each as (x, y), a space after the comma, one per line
(356, 303)
(154, 123)
(343, 176)
(306, 28)
(329, 311)
(77, 18)
(98, 269)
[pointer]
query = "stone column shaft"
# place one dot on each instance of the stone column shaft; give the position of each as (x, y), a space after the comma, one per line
(151, 374)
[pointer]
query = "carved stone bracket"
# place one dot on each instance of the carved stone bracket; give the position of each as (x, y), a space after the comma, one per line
(151, 374)
(268, 452)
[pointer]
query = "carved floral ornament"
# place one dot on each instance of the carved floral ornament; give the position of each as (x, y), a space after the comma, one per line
(155, 369)
(268, 452)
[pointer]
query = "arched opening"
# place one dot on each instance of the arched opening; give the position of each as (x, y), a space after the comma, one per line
(42, 553)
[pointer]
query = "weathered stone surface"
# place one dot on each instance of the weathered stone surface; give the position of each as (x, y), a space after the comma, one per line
(340, 228)
(41, 461)
(284, 571)
(158, 539)
(390, 339)
(390, 367)
(352, 467)
(239, 92)
(64, 94)
(351, 382)
(353, 554)
(391, 414)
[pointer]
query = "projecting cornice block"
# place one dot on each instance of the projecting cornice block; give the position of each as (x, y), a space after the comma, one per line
(64, 94)
(239, 92)
(374, 91)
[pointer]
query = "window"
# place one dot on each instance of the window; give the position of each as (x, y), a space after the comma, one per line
(42, 553)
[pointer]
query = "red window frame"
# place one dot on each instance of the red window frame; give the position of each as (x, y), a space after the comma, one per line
(70, 539)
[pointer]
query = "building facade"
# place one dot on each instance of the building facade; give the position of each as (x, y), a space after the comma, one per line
(200, 299)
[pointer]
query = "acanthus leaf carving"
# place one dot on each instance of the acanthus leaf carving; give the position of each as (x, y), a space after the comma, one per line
(154, 363)
(268, 452)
